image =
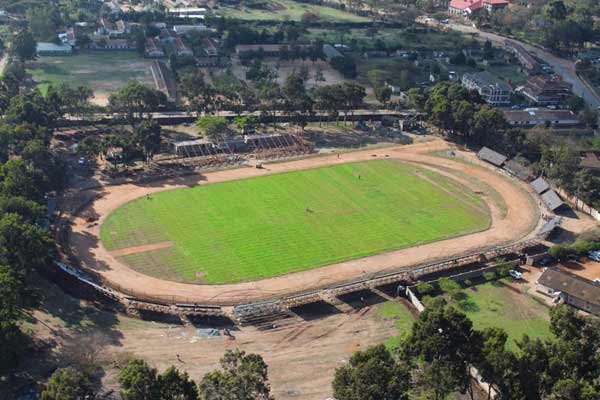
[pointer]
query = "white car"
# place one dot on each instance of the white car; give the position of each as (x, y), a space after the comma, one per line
(515, 274)
(81, 161)
(594, 255)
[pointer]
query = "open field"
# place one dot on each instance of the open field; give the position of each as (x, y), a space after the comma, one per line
(290, 10)
(290, 222)
(104, 72)
(517, 221)
(493, 304)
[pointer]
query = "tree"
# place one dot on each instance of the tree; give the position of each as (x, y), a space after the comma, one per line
(44, 22)
(445, 340)
(383, 94)
(200, 95)
(148, 137)
(71, 100)
(213, 127)
(176, 385)
(243, 377)
(345, 66)
(139, 381)
(24, 46)
(372, 374)
(68, 384)
(134, 100)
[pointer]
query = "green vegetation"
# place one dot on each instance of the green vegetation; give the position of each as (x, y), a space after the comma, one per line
(493, 305)
(403, 320)
(277, 224)
(105, 72)
(285, 10)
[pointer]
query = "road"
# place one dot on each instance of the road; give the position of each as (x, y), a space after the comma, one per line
(563, 67)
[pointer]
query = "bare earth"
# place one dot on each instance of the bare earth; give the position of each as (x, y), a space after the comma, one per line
(140, 249)
(519, 220)
(302, 357)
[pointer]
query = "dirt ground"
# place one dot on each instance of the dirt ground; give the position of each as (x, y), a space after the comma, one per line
(302, 352)
(302, 357)
(521, 217)
(585, 268)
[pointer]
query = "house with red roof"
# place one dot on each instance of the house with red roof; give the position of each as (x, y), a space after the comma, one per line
(466, 8)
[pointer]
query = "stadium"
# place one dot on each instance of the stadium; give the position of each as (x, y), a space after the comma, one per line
(246, 235)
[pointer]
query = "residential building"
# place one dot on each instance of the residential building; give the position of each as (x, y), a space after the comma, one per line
(181, 49)
(546, 90)
(68, 37)
(526, 60)
(53, 49)
(209, 47)
(183, 29)
(494, 5)
(188, 12)
(153, 48)
(571, 289)
(541, 116)
(466, 8)
(167, 36)
(270, 50)
(491, 89)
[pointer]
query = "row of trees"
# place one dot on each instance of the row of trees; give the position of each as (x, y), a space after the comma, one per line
(27, 172)
(241, 377)
(293, 98)
(434, 361)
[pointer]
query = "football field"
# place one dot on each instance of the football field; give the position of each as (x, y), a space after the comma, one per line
(272, 225)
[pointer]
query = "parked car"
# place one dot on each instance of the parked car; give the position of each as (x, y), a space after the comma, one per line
(81, 161)
(515, 274)
(594, 255)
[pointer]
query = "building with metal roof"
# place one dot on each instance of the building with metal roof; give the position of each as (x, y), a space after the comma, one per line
(491, 156)
(540, 185)
(552, 200)
(53, 49)
(549, 227)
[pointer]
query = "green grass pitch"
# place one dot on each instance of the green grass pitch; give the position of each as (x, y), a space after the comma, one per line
(273, 225)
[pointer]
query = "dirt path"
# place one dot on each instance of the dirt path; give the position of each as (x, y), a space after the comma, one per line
(140, 249)
(520, 219)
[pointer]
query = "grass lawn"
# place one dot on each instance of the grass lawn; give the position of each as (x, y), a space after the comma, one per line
(492, 304)
(290, 10)
(403, 320)
(104, 72)
(273, 225)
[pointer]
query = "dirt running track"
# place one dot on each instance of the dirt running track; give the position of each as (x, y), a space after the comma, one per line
(517, 221)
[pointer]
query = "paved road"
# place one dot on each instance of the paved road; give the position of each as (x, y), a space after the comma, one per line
(562, 66)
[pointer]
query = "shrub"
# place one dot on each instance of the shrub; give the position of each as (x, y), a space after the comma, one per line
(489, 275)
(424, 288)
(448, 285)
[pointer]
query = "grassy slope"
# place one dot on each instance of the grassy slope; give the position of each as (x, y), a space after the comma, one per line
(290, 10)
(492, 304)
(259, 227)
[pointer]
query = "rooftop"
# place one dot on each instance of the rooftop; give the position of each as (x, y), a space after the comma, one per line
(485, 78)
(571, 284)
(551, 200)
(540, 185)
(491, 156)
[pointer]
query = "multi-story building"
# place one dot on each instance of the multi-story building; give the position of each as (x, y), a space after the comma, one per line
(546, 90)
(491, 89)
